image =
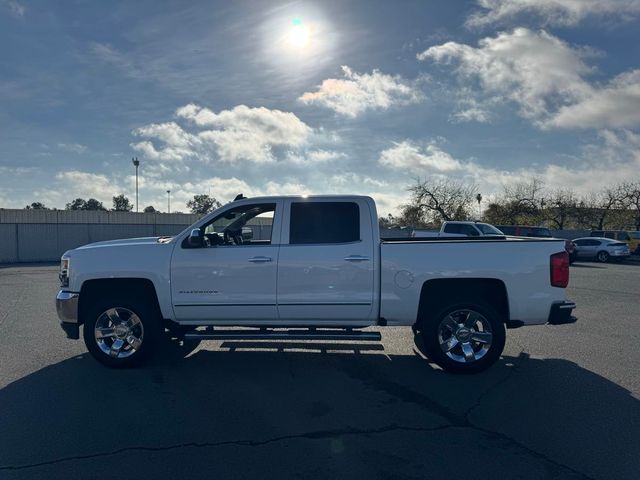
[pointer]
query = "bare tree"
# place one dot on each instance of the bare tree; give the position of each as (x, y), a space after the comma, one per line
(435, 201)
(521, 203)
(630, 199)
(561, 208)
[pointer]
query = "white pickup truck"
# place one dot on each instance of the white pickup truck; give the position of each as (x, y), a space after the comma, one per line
(318, 270)
(454, 228)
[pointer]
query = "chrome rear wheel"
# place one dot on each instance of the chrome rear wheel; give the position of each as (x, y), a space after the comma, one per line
(465, 336)
(462, 337)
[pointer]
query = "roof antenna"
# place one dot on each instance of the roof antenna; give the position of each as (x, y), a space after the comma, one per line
(239, 197)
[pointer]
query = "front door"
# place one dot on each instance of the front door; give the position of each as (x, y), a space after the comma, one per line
(233, 276)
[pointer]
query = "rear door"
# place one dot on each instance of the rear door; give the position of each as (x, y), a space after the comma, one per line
(589, 248)
(326, 263)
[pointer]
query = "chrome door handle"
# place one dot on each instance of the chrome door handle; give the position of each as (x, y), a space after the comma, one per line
(260, 259)
(356, 258)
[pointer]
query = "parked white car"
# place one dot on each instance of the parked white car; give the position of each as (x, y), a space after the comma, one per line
(601, 249)
(459, 229)
(323, 274)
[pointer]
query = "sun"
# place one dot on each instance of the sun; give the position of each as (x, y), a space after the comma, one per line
(299, 36)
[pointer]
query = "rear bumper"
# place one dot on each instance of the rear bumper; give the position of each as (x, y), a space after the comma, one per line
(620, 254)
(67, 308)
(560, 313)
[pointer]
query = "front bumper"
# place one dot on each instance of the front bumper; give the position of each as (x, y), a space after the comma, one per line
(560, 313)
(67, 308)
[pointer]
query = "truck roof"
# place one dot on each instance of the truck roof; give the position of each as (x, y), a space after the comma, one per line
(306, 197)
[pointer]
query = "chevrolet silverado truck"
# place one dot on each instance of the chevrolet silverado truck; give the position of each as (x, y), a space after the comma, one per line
(314, 268)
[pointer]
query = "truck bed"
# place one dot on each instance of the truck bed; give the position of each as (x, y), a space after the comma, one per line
(521, 264)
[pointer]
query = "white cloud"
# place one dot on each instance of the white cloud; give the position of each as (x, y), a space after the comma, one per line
(356, 93)
(409, 157)
(551, 12)
(614, 106)
(73, 147)
(472, 110)
(314, 156)
(175, 143)
(615, 159)
(242, 133)
(533, 69)
(17, 9)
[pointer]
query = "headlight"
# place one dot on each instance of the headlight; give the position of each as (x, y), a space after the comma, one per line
(64, 272)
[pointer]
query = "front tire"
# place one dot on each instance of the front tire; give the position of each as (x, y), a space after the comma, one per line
(121, 332)
(602, 257)
(463, 338)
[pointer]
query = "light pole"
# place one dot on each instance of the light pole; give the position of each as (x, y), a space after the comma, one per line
(168, 201)
(136, 163)
(479, 200)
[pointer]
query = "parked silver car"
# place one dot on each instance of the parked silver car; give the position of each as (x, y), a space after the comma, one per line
(600, 248)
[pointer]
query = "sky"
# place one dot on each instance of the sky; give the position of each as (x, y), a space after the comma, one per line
(314, 97)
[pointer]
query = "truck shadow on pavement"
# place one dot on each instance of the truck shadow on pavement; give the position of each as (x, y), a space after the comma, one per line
(320, 411)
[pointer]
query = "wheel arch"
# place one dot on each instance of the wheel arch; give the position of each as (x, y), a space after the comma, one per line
(105, 287)
(437, 293)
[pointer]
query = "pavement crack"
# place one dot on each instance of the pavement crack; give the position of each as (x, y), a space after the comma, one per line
(314, 435)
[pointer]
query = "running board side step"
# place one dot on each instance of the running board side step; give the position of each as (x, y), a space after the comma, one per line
(264, 334)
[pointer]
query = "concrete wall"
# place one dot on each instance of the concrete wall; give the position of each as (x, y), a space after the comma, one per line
(44, 235)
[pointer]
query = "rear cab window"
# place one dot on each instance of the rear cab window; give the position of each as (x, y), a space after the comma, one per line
(452, 228)
(324, 223)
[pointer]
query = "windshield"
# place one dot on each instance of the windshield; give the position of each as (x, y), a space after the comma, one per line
(635, 235)
(487, 229)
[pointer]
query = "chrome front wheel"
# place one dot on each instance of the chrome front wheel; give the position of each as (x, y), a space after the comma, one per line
(119, 332)
(123, 331)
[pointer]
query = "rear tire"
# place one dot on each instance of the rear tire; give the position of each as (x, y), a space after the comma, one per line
(602, 256)
(121, 332)
(464, 337)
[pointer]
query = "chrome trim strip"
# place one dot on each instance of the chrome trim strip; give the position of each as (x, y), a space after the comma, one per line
(567, 305)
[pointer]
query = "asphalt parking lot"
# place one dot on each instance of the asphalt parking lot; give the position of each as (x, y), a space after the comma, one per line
(563, 402)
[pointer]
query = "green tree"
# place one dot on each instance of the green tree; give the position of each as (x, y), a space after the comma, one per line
(36, 206)
(149, 209)
(121, 204)
(202, 204)
(82, 204)
(93, 204)
(77, 204)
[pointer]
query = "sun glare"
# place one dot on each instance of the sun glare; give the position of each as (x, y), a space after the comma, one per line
(299, 35)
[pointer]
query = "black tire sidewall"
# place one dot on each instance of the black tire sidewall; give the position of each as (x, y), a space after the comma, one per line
(429, 333)
(606, 256)
(150, 322)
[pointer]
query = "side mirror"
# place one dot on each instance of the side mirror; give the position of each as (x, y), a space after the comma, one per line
(196, 238)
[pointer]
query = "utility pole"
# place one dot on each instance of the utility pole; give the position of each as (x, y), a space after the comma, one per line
(136, 163)
(479, 200)
(168, 201)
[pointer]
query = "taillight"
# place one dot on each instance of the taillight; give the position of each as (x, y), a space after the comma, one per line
(559, 269)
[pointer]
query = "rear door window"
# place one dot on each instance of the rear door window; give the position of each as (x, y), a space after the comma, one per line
(453, 228)
(324, 222)
(469, 231)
